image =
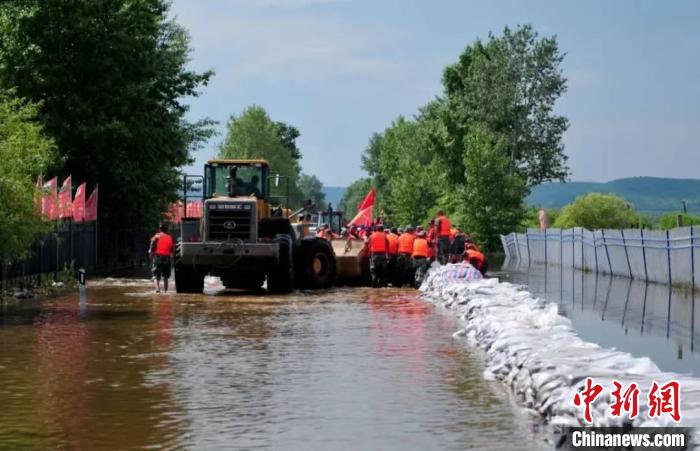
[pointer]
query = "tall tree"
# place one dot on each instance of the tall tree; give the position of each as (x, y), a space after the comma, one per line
(110, 75)
(289, 134)
(312, 189)
(254, 135)
(492, 195)
(25, 152)
(508, 84)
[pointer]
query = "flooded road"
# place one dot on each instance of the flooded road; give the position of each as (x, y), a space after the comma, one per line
(644, 319)
(342, 369)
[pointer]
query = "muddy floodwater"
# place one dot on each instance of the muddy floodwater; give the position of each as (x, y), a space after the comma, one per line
(341, 369)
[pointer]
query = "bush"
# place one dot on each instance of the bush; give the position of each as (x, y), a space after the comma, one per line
(670, 220)
(598, 211)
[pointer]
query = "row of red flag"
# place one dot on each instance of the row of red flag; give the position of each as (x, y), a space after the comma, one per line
(53, 203)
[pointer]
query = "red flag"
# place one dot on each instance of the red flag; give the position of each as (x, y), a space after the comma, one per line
(91, 206)
(49, 201)
(368, 201)
(363, 217)
(65, 203)
(79, 204)
(37, 195)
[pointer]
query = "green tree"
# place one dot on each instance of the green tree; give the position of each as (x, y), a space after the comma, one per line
(254, 135)
(110, 75)
(312, 188)
(598, 211)
(353, 196)
(289, 134)
(492, 193)
(509, 85)
(25, 152)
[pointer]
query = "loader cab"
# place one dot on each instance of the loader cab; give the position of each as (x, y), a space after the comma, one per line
(236, 178)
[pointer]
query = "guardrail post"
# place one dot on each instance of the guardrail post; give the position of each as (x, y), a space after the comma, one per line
(517, 246)
(627, 255)
(668, 253)
(644, 256)
(607, 253)
(527, 240)
(692, 255)
(545, 247)
(561, 247)
(595, 251)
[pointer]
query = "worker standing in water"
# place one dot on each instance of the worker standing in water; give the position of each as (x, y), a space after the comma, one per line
(421, 250)
(404, 261)
(392, 254)
(161, 250)
(378, 248)
(443, 228)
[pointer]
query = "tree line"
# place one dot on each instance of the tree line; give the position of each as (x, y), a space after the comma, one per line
(96, 89)
(477, 148)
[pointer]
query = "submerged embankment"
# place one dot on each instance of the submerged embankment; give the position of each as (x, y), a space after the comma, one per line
(538, 355)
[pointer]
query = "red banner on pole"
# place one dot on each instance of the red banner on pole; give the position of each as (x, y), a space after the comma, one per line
(368, 201)
(49, 200)
(79, 204)
(91, 206)
(65, 203)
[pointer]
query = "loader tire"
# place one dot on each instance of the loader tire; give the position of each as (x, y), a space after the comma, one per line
(281, 276)
(188, 280)
(315, 265)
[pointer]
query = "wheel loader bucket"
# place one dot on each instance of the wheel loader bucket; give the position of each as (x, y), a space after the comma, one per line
(352, 261)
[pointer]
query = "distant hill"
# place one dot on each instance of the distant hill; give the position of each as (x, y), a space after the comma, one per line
(334, 194)
(648, 194)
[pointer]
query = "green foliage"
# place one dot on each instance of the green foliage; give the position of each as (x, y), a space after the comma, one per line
(110, 75)
(353, 196)
(670, 220)
(312, 188)
(509, 85)
(475, 151)
(492, 192)
(598, 211)
(254, 135)
(24, 154)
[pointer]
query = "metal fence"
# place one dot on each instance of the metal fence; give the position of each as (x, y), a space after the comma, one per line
(72, 246)
(651, 255)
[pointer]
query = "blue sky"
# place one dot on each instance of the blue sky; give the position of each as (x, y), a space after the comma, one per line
(340, 70)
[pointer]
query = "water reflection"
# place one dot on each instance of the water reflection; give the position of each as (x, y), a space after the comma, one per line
(644, 319)
(355, 369)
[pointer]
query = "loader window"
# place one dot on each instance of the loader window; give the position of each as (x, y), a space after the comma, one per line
(243, 180)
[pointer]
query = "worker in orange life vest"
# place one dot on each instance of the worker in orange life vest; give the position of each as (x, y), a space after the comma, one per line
(421, 250)
(392, 252)
(404, 260)
(475, 257)
(442, 230)
(378, 250)
(161, 250)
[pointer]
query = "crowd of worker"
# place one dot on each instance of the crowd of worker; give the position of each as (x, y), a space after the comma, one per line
(401, 256)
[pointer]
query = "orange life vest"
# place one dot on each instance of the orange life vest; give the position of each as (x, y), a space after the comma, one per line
(393, 248)
(406, 243)
(445, 226)
(164, 244)
(420, 248)
(478, 256)
(377, 243)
